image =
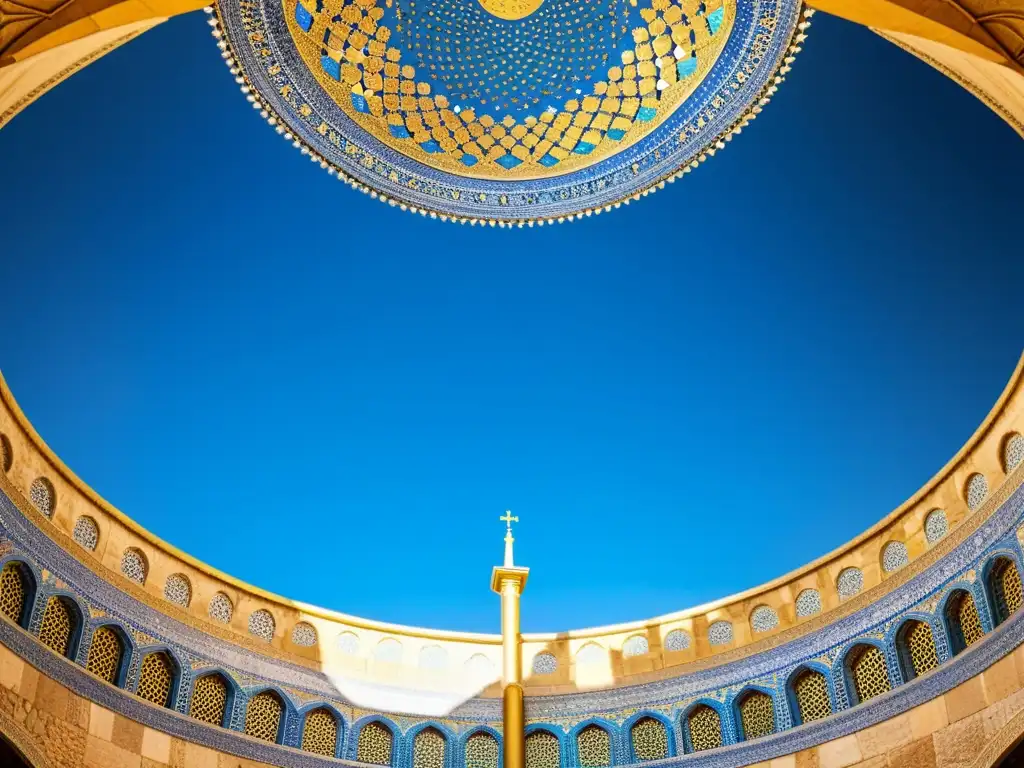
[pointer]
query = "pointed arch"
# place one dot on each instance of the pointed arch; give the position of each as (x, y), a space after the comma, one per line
(643, 732)
(19, 581)
(962, 619)
(482, 748)
(546, 746)
(866, 670)
(374, 740)
(703, 726)
(213, 696)
(159, 675)
(110, 652)
(810, 692)
(1003, 586)
(315, 736)
(916, 649)
(754, 712)
(593, 742)
(60, 626)
(265, 712)
(430, 745)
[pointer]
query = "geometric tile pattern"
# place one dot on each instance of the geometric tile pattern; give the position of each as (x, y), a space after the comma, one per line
(41, 494)
(894, 556)
(720, 633)
(976, 490)
(705, 728)
(304, 635)
(650, 739)
(758, 715)
(209, 699)
(677, 640)
(6, 454)
(261, 625)
(544, 664)
(1013, 452)
(221, 608)
(542, 750)
(850, 582)
(133, 565)
(921, 647)
(375, 742)
(13, 592)
(263, 716)
(808, 603)
(935, 525)
(1006, 589)
(428, 749)
(764, 618)
(320, 733)
(58, 624)
(481, 751)
(870, 675)
(811, 690)
(86, 533)
(178, 590)
(593, 747)
(156, 678)
(106, 652)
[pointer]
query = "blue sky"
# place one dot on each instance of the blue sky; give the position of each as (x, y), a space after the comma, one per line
(336, 401)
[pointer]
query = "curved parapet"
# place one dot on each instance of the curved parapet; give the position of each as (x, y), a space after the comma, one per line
(909, 613)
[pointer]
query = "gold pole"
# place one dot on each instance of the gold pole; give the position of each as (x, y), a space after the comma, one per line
(509, 581)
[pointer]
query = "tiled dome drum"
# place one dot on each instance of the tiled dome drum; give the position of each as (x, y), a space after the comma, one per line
(508, 111)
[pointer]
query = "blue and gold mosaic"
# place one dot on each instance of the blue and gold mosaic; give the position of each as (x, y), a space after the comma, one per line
(507, 109)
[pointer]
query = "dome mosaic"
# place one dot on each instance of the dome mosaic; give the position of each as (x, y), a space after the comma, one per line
(508, 111)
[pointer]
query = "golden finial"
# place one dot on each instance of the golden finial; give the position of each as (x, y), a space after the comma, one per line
(508, 519)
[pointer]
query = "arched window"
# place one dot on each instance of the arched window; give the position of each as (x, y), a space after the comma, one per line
(1013, 452)
(764, 619)
(156, 679)
(262, 625)
(481, 751)
(375, 744)
(86, 532)
(178, 589)
(42, 496)
(593, 747)
(263, 716)
(868, 674)
(17, 590)
(428, 749)
(134, 565)
(975, 490)
(106, 655)
(649, 738)
(1004, 589)
(757, 715)
(637, 645)
(221, 608)
(543, 750)
(320, 732)
(210, 699)
(59, 628)
(963, 621)
(808, 603)
(6, 454)
(810, 692)
(304, 634)
(916, 649)
(704, 727)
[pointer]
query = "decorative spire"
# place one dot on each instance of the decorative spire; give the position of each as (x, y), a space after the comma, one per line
(508, 519)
